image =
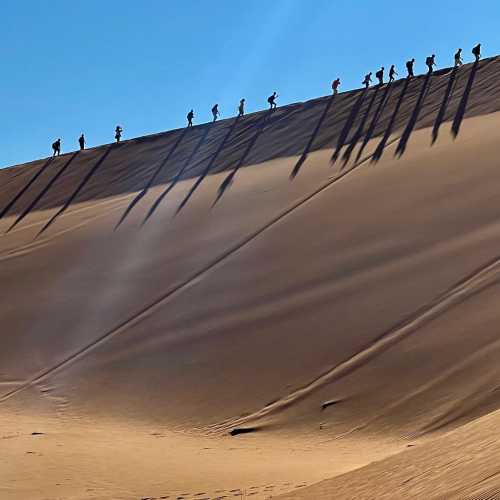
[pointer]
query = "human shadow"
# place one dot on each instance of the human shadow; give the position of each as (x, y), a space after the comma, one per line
(379, 150)
(303, 157)
(80, 186)
(152, 179)
(348, 125)
(226, 183)
(405, 136)
(359, 132)
(444, 104)
(25, 188)
(459, 116)
(209, 165)
(373, 123)
(44, 191)
(178, 176)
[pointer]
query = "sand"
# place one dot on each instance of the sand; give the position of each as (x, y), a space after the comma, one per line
(299, 303)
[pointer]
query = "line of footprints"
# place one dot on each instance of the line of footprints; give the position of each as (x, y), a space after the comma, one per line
(254, 492)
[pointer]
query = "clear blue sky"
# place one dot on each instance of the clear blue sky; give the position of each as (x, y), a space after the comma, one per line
(69, 67)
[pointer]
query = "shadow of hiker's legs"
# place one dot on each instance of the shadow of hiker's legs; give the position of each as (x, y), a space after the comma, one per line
(442, 110)
(459, 116)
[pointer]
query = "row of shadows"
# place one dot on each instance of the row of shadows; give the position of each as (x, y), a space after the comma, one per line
(362, 135)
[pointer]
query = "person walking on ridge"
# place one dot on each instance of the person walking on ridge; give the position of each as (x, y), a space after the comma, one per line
(380, 76)
(392, 74)
(409, 68)
(458, 58)
(215, 112)
(56, 147)
(431, 62)
(190, 117)
(272, 100)
(241, 107)
(477, 52)
(335, 86)
(81, 141)
(368, 79)
(118, 133)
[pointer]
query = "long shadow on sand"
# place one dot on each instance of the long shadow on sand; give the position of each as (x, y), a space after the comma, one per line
(152, 179)
(405, 136)
(82, 184)
(209, 166)
(229, 178)
(373, 124)
(309, 145)
(178, 176)
(444, 104)
(379, 151)
(359, 132)
(43, 192)
(348, 125)
(25, 188)
(457, 122)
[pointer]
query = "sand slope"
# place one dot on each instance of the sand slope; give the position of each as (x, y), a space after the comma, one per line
(248, 308)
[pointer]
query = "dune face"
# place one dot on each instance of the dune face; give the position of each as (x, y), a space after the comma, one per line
(246, 308)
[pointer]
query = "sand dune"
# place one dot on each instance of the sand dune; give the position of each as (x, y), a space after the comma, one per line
(248, 308)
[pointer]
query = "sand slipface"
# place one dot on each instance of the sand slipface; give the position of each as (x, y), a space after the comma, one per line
(298, 303)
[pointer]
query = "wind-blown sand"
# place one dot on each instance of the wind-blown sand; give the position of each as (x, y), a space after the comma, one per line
(224, 312)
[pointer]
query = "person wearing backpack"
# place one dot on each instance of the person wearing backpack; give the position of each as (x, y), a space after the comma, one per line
(271, 100)
(368, 79)
(476, 51)
(409, 67)
(430, 63)
(380, 76)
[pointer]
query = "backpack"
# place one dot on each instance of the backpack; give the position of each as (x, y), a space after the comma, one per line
(379, 74)
(428, 61)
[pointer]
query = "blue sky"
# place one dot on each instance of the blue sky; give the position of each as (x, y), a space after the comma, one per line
(72, 67)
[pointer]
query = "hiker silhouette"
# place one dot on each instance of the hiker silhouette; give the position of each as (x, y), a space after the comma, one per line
(56, 147)
(430, 63)
(272, 100)
(118, 133)
(81, 141)
(368, 79)
(380, 76)
(241, 107)
(392, 74)
(409, 67)
(458, 58)
(335, 86)
(215, 112)
(476, 51)
(190, 117)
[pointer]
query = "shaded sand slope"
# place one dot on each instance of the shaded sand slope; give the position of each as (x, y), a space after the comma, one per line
(258, 329)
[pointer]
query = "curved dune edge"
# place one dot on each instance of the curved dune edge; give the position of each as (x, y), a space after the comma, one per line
(255, 310)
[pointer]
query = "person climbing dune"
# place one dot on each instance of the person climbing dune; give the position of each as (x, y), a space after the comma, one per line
(476, 51)
(335, 86)
(458, 58)
(215, 112)
(81, 141)
(118, 133)
(380, 76)
(368, 79)
(392, 74)
(409, 68)
(272, 100)
(190, 117)
(430, 62)
(56, 147)
(241, 107)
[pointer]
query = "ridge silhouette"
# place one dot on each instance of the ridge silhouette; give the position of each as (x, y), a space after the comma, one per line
(25, 188)
(80, 186)
(43, 192)
(151, 180)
